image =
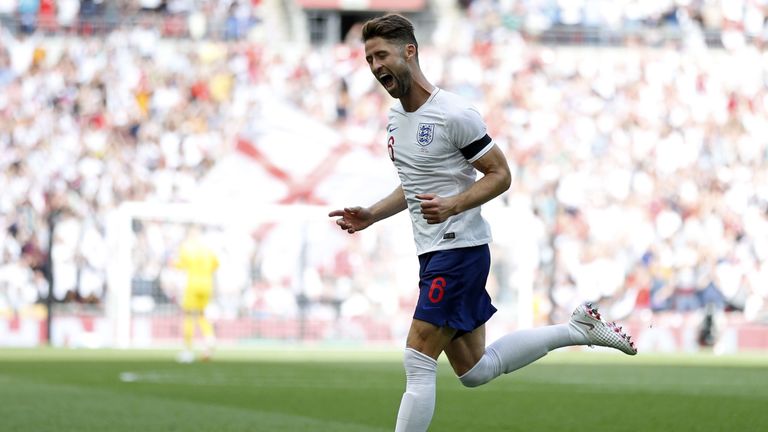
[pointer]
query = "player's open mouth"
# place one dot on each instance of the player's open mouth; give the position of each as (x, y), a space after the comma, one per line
(388, 81)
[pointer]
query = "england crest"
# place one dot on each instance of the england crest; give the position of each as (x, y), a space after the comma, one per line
(426, 134)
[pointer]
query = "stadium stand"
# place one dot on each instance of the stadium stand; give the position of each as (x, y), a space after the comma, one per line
(635, 132)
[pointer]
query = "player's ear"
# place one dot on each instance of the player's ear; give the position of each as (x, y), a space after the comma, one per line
(410, 51)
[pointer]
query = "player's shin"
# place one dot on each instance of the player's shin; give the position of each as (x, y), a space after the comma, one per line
(418, 402)
(206, 328)
(188, 331)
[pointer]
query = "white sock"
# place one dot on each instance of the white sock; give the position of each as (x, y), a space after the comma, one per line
(418, 402)
(517, 349)
(210, 346)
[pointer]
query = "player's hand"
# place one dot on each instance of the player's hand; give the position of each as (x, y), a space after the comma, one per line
(353, 219)
(436, 209)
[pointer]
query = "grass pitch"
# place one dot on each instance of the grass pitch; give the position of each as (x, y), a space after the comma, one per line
(300, 390)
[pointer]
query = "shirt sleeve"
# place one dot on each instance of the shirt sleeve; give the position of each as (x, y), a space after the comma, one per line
(469, 134)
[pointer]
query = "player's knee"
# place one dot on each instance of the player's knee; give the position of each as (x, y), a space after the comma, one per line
(480, 374)
(470, 379)
(419, 368)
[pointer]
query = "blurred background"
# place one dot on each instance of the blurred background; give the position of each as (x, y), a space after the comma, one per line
(636, 131)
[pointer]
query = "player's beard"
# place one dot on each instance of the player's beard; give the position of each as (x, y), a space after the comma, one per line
(403, 82)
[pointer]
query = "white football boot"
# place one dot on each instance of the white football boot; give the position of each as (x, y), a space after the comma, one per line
(586, 320)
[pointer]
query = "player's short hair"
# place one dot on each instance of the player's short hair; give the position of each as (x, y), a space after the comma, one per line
(391, 27)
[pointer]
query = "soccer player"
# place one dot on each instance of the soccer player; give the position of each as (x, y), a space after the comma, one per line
(436, 141)
(200, 263)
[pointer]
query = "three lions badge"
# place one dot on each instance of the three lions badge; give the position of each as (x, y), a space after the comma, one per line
(425, 134)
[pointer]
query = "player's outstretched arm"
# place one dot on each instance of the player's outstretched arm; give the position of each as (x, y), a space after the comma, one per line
(496, 179)
(353, 219)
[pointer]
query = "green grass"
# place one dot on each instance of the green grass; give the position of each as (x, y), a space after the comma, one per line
(297, 390)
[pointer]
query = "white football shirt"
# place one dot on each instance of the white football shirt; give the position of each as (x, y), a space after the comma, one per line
(432, 149)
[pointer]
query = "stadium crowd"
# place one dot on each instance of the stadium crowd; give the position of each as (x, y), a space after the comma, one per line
(227, 19)
(539, 15)
(231, 19)
(640, 172)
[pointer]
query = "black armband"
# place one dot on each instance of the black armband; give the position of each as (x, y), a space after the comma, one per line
(476, 147)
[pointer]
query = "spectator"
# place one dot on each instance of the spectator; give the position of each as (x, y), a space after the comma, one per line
(667, 140)
(28, 11)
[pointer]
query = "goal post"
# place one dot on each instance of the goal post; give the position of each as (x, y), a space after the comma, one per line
(121, 238)
(284, 275)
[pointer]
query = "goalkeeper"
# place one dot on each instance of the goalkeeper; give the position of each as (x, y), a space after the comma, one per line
(199, 262)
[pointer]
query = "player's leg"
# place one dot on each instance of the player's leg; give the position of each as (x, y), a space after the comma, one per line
(206, 328)
(452, 299)
(424, 344)
(522, 347)
(187, 355)
(209, 338)
(192, 310)
(189, 328)
(465, 351)
(476, 366)
(189, 309)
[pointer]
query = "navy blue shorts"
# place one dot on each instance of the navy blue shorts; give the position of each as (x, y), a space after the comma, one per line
(452, 288)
